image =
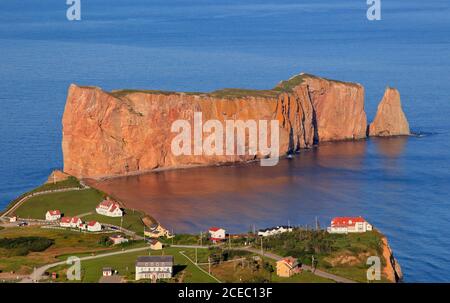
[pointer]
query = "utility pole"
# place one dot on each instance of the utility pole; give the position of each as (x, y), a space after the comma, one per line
(201, 238)
(317, 224)
(313, 267)
(262, 251)
(229, 241)
(196, 261)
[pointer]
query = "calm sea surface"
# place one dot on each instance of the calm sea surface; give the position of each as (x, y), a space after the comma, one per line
(401, 185)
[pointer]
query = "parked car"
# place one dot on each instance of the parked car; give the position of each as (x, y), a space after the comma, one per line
(22, 224)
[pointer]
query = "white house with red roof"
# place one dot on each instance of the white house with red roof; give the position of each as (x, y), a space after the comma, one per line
(94, 226)
(109, 208)
(216, 234)
(52, 215)
(344, 225)
(65, 222)
(75, 222)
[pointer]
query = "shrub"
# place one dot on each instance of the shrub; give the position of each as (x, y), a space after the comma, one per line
(22, 246)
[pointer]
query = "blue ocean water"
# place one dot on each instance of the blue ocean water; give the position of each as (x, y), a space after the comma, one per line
(203, 45)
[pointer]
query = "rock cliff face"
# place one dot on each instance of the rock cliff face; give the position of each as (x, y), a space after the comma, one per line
(123, 132)
(392, 270)
(390, 119)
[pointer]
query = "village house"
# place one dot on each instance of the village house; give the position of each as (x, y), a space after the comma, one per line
(156, 231)
(109, 208)
(344, 225)
(274, 231)
(94, 226)
(155, 244)
(118, 239)
(13, 219)
(154, 267)
(65, 222)
(107, 272)
(52, 215)
(216, 234)
(75, 222)
(288, 267)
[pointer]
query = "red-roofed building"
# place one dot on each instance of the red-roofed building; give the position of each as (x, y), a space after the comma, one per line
(75, 222)
(109, 208)
(52, 215)
(65, 222)
(94, 226)
(216, 234)
(344, 225)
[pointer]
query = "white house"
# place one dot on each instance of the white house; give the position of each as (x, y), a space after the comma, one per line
(118, 239)
(13, 219)
(274, 231)
(107, 271)
(75, 222)
(109, 208)
(94, 226)
(154, 267)
(65, 222)
(52, 215)
(344, 225)
(216, 234)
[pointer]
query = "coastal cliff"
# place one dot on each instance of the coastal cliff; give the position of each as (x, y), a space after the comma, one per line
(392, 270)
(129, 131)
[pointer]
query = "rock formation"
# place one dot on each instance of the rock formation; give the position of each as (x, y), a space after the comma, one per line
(123, 132)
(392, 269)
(390, 119)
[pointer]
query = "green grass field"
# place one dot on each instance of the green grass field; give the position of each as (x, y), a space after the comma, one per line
(66, 242)
(70, 203)
(131, 220)
(125, 265)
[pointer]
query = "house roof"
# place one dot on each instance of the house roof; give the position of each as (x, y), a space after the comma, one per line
(215, 228)
(55, 212)
(154, 241)
(92, 223)
(75, 220)
(149, 259)
(346, 221)
(290, 261)
(66, 219)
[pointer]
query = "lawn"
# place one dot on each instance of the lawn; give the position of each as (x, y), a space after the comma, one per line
(91, 270)
(70, 203)
(131, 220)
(65, 243)
(340, 254)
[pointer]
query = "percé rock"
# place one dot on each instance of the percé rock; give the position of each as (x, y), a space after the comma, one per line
(390, 119)
(124, 132)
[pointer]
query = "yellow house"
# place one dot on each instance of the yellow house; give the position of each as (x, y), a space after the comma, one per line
(155, 245)
(287, 267)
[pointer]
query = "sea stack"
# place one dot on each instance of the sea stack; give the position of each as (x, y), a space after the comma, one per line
(390, 119)
(130, 131)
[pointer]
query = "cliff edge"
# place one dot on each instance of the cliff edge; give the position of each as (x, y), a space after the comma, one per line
(129, 131)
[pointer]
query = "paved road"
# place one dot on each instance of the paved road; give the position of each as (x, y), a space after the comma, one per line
(38, 272)
(317, 272)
